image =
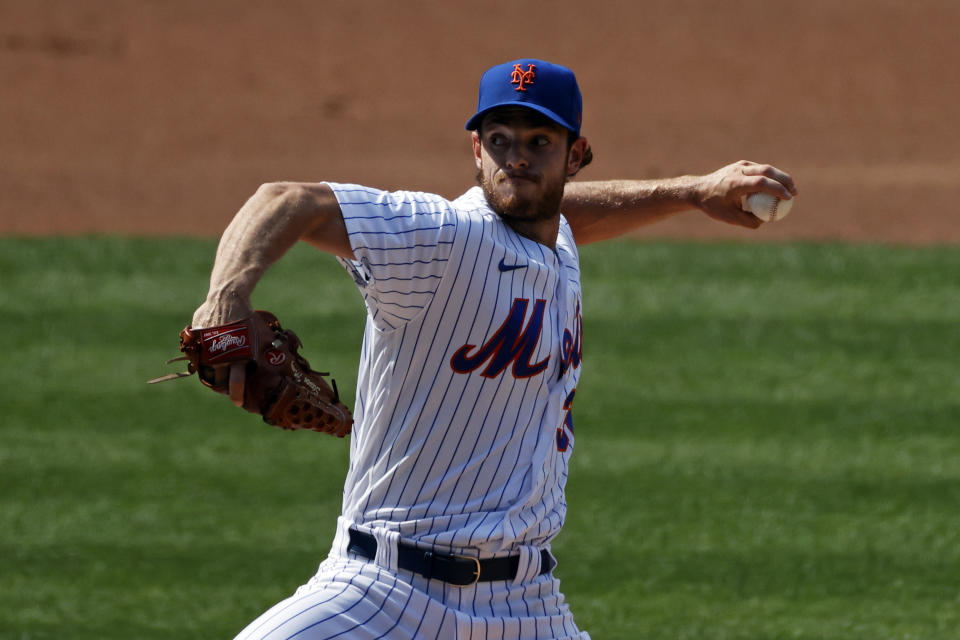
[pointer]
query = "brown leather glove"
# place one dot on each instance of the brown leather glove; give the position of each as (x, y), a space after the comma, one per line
(255, 362)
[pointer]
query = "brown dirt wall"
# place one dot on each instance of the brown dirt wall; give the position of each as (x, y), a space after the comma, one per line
(162, 117)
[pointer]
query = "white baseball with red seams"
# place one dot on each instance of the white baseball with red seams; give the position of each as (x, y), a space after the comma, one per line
(766, 207)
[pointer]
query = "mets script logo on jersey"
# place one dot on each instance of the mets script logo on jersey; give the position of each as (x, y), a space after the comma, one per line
(514, 343)
(520, 77)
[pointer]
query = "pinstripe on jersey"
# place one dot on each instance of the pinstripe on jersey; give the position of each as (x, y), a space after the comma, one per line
(470, 359)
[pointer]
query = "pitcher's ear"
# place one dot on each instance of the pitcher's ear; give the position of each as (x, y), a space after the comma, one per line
(576, 155)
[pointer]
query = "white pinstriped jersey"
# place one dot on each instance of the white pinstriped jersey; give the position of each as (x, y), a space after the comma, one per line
(470, 360)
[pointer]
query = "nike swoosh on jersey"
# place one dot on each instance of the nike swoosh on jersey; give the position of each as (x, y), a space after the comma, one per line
(509, 267)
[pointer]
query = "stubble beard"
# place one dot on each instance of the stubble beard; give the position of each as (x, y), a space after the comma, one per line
(514, 207)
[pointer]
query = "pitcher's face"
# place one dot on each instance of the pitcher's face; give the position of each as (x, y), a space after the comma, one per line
(522, 168)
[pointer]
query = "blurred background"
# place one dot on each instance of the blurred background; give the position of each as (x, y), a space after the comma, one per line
(163, 117)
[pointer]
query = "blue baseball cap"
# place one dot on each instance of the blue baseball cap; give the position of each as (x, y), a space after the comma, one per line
(542, 86)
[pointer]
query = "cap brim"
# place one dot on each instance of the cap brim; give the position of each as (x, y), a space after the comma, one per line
(474, 123)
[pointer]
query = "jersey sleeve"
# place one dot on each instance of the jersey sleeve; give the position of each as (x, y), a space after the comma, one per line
(402, 242)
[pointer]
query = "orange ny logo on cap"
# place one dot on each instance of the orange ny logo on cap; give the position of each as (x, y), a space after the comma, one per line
(521, 77)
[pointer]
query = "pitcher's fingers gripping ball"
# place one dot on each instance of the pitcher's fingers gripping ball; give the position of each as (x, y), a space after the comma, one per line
(256, 362)
(765, 204)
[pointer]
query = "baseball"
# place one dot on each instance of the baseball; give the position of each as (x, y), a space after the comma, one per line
(766, 207)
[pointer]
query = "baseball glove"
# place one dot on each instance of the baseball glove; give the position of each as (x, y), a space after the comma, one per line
(255, 362)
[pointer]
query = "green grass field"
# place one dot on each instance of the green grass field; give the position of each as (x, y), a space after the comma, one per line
(766, 447)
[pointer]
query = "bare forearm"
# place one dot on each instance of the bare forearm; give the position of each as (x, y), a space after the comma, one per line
(263, 230)
(602, 210)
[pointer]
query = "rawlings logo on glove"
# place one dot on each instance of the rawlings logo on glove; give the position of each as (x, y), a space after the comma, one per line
(256, 363)
(225, 339)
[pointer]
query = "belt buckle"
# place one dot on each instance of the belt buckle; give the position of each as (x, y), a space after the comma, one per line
(476, 574)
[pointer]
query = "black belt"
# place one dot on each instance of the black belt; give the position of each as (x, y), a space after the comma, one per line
(460, 571)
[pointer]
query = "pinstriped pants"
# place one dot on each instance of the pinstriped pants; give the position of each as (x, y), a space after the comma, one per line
(352, 597)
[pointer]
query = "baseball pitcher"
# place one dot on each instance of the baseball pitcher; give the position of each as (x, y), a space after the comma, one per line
(463, 424)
